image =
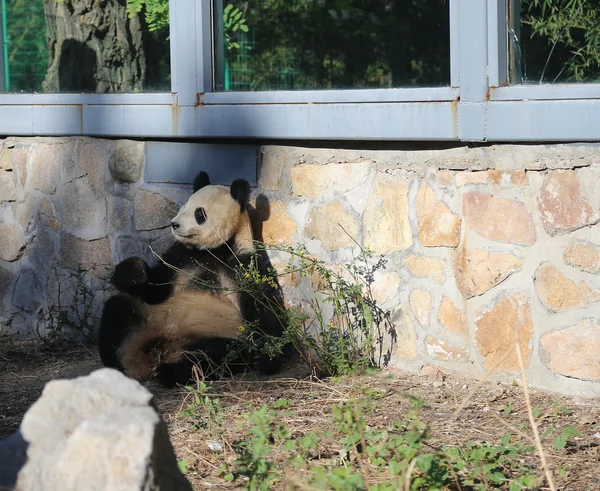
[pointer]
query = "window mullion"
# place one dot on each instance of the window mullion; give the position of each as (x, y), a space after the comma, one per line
(473, 69)
(497, 42)
(184, 56)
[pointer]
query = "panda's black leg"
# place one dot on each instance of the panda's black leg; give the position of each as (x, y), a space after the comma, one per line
(120, 315)
(212, 358)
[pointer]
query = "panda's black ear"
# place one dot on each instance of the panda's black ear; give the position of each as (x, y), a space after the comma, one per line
(240, 191)
(201, 181)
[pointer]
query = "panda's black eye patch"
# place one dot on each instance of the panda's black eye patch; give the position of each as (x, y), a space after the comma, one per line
(200, 214)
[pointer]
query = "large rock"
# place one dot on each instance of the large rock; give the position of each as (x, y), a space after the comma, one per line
(93, 256)
(45, 167)
(438, 226)
(152, 211)
(478, 271)
(97, 432)
(498, 218)
(427, 267)
(500, 328)
(279, 228)
(271, 168)
(8, 187)
(84, 211)
(573, 351)
(12, 242)
(442, 350)
(126, 162)
(451, 317)
(313, 181)
(583, 255)
(558, 293)
(333, 225)
(562, 205)
(386, 222)
(420, 304)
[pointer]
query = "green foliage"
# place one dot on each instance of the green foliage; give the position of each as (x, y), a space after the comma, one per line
(561, 441)
(341, 329)
(201, 409)
(571, 31)
(397, 457)
(156, 12)
(233, 20)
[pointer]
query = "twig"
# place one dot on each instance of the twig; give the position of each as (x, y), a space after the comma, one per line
(534, 428)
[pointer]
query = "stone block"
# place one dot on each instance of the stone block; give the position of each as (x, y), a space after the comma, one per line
(8, 187)
(271, 168)
(21, 162)
(573, 351)
(406, 348)
(285, 277)
(464, 178)
(12, 242)
(152, 211)
(84, 212)
(385, 285)
(438, 226)
(444, 178)
(443, 350)
(562, 206)
(49, 214)
(126, 161)
(451, 317)
(333, 225)
(279, 228)
(6, 161)
(120, 214)
(386, 222)
(126, 246)
(96, 432)
(45, 167)
(93, 255)
(313, 181)
(498, 218)
(420, 304)
(478, 271)
(94, 156)
(508, 177)
(558, 293)
(427, 267)
(500, 328)
(583, 255)
(5, 281)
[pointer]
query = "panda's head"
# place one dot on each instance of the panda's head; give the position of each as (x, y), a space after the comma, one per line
(214, 214)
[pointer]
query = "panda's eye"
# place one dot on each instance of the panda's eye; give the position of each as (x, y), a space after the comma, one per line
(200, 215)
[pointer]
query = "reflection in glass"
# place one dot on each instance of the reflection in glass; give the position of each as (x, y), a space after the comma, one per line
(554, 41)
(90, 46)
(331, 44)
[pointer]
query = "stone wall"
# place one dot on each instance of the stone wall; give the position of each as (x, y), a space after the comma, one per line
(485, 246)
(70, 208)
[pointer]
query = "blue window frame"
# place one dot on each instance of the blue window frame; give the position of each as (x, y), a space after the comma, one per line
(478, 106)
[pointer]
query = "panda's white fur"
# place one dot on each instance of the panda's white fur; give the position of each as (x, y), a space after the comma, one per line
(190, 299)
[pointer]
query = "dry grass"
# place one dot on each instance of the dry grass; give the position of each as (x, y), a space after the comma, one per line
(24, 369)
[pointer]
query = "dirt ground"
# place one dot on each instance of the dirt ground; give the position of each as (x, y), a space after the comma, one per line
(493, 410)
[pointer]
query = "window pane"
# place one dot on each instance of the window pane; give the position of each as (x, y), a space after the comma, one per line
(555, 41)
(331, 44)
(74, 46)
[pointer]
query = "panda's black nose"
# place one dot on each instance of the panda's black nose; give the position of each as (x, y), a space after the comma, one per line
(174, 225)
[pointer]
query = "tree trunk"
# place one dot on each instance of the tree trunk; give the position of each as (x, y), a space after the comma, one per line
(93, 47)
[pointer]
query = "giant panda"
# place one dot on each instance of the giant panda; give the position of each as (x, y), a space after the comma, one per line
(188, 310)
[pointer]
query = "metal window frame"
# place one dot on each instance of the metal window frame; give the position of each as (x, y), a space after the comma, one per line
(478, 106)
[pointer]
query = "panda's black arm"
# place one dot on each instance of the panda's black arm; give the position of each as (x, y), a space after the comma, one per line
(150, 285)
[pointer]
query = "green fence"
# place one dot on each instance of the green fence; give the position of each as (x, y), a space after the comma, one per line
(25, 45)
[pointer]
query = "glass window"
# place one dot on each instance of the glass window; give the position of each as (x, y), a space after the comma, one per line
(554, 41)
(331, 44)
(74, 46)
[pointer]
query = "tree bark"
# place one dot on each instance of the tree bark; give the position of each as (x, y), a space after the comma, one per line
(94, 47)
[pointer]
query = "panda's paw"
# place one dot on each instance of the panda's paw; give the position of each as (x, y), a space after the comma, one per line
(130, 273)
